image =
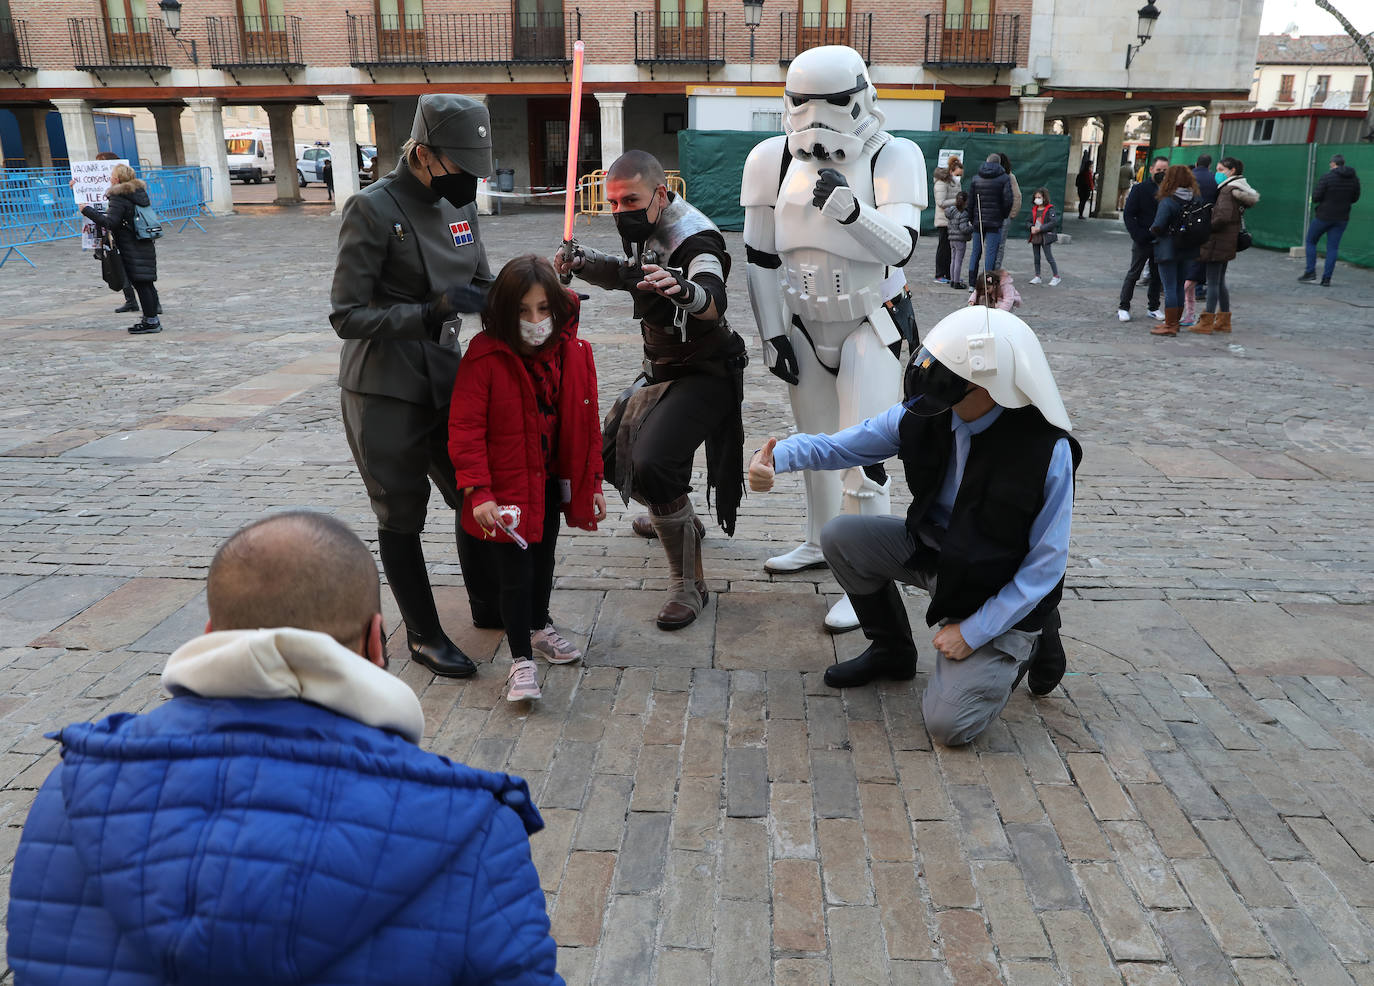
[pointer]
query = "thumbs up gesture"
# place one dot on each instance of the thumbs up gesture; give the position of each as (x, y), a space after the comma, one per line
(761, 468)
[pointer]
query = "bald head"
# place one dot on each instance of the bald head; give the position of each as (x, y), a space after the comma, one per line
(296, 569)
(637, 166)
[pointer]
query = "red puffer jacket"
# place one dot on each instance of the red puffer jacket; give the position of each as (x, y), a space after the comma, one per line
(494, 434)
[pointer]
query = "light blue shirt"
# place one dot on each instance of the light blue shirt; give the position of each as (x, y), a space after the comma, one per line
(878, 439)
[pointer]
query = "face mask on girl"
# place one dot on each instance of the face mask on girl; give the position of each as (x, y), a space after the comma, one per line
(1039, 200)
(535, 334)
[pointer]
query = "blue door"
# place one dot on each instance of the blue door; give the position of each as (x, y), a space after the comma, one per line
(12, 145)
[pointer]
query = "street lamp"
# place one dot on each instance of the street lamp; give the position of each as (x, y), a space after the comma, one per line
(171, 16)
(1144, 28)
(753, 13)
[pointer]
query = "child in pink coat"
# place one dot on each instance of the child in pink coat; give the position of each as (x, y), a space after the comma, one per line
(996, 290)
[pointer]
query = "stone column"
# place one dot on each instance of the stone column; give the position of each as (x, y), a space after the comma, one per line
(612, 126)
(343, 147)
(388, 142)
(170, 142)
(33, 133)
(1212, 133)
(78, 124)
(1032, 116)
(1113, 138)
(208, 114)
(1162, 120)
(284, 151)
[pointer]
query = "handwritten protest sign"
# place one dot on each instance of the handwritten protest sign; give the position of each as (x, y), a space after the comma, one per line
(90, 182)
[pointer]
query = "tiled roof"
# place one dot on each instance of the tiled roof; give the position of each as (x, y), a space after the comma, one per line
(1308, 49)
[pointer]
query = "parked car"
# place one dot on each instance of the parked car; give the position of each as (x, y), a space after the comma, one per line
(366, 171)
(310, 160)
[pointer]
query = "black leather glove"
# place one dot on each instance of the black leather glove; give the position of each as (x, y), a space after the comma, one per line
(455, 299)
(785, 366)
(688, 294)
(829, 180)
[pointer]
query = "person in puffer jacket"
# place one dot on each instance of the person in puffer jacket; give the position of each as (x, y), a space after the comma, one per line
(127, 193)
(990, 203)
(275, 821)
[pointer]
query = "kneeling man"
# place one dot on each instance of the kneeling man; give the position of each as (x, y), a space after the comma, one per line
(984, 437)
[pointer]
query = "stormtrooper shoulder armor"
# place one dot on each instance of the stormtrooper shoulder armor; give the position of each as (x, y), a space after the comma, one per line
(763, 173)
(899, 175)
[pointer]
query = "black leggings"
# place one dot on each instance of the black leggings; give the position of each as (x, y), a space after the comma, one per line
(942, 253)
(147, 299)
(524, 576)
(1217, 293)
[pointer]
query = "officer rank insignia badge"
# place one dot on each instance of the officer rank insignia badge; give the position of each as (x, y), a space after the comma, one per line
(462, 233)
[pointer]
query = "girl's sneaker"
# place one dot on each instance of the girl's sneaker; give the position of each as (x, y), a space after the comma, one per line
(1035, 279)
(1055, 280)
(938, 280)
(551, 645)
(522, 683)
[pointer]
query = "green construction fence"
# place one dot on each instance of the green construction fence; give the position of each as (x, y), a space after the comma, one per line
(1284, 175)
(712, 161)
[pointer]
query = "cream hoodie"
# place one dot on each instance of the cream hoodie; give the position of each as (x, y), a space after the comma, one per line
(290, 663)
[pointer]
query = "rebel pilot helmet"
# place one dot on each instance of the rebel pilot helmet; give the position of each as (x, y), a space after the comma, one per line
(987, 347)
(830, 108)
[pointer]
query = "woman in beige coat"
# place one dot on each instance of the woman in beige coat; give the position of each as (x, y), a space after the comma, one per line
(946, 188)
(1234, 196)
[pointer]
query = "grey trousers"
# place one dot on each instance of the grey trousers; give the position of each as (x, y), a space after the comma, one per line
(962, 698)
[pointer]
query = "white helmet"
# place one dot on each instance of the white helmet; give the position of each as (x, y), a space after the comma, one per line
(993, 349)
(830, 108)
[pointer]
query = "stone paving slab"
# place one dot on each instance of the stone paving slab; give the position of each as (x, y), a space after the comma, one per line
(1194, 805)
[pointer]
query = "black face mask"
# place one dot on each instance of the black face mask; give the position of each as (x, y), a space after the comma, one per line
(458, 188)
(634, 225)
(929, 387)
(1158, 178)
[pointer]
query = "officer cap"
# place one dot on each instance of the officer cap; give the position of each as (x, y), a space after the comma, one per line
(459, 126)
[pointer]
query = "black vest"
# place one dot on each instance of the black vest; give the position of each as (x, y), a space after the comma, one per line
(1002, 491)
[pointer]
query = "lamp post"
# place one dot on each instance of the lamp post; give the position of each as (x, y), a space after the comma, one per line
(1144, 28)
(171, 17)
(753, 13)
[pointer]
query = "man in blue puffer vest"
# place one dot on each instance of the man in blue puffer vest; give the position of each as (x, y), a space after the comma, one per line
(275, 822)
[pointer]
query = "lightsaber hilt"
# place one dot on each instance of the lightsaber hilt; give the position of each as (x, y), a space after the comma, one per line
(567, 251)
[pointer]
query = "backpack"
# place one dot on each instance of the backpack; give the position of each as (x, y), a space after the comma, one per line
(147, 223)
(1194, 225)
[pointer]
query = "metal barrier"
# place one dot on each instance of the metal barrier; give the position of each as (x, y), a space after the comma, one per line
(591, 192)
(37, 205)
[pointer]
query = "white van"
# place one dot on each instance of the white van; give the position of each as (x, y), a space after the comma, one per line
(250, 155)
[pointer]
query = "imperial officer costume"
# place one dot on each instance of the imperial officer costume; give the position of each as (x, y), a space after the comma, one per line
(692, 384)
(410, 259)
(984, 439)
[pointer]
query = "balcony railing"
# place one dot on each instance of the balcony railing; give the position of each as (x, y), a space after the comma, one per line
(14, 46)
(462, 39)
(953, 40)
(255, 42)
(800, 31)
(137, 43)
(675, 37)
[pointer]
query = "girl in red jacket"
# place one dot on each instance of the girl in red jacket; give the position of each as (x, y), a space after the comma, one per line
(525, 440)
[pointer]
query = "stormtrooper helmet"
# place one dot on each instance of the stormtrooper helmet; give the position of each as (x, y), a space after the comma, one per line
(988, 347)
(830, 107)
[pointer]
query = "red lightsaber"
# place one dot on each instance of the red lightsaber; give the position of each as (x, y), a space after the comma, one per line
(574, 128)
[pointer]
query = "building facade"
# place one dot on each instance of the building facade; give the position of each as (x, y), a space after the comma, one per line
(1027, 65)
(1313, 71)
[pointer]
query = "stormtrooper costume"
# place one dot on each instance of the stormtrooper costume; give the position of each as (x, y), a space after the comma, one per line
(831, 213)
(991, 473)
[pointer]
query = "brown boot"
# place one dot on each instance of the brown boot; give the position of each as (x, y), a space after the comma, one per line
(1223, 322)
(643, 525)
(1205, 324)
(1169, 327)
(676, 526)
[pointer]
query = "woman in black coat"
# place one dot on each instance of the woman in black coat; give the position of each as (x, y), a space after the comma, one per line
(139, 256)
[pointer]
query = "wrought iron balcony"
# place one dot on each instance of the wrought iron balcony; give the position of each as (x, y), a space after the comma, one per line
(801, 31)
(421, 40)
(15, 56)
(988, 40)
(119, 43)
(673, 37)
(255, 42)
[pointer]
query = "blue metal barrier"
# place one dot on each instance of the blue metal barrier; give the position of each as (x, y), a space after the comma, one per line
(37, 205)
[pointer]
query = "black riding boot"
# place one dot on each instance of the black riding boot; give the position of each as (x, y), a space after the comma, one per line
(1047, 662)
(892, 653)
(404, 561)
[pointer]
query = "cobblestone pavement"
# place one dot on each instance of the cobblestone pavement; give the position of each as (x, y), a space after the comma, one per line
(1193, 806)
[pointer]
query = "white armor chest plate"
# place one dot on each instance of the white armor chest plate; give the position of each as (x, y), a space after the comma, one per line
(827, 275)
